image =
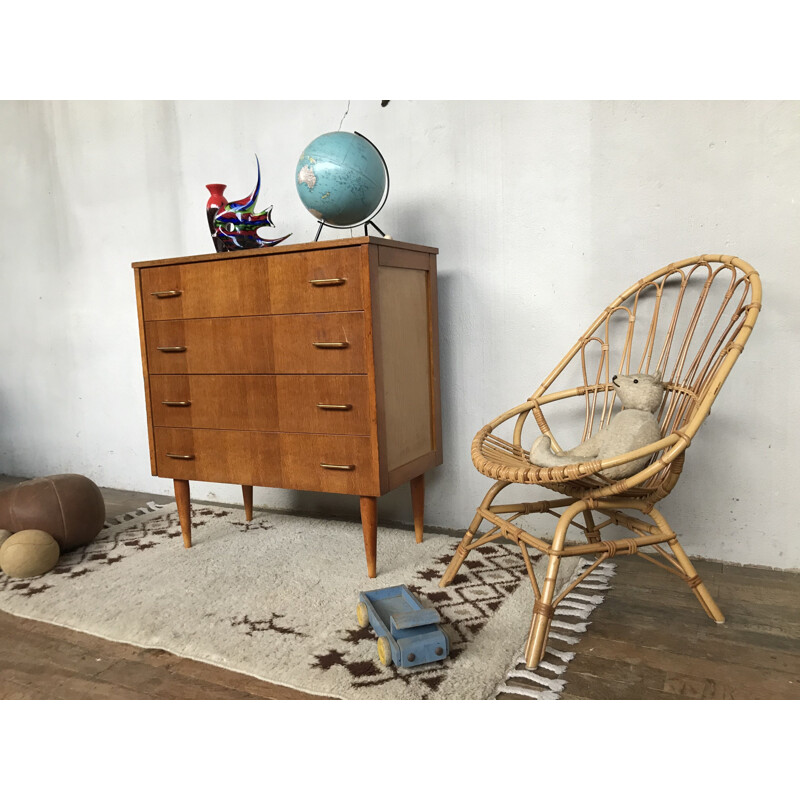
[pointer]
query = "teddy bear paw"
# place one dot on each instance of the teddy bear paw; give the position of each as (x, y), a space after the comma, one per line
(540, 447)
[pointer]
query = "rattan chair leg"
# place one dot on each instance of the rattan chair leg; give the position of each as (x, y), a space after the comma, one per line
(543, 608)
(691, 577)
(537, 636)
(461, 553)
(696, 583)
(592, 533)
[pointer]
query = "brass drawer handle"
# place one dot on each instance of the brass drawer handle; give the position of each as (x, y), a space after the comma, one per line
(328, 281)
(180, 456)
(331, 345)
(170, 293)
(334, 406)
(179, 403)
(347, 467)
(175, 349)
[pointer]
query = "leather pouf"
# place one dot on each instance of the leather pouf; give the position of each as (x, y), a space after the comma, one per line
(69, 507)
(27, 554)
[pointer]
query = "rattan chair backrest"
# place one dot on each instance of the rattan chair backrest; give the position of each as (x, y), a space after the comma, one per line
(689, 320)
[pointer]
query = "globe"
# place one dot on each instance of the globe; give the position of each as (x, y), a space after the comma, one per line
(342, 179)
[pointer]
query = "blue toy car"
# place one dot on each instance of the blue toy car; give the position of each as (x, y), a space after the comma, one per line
(408, 634)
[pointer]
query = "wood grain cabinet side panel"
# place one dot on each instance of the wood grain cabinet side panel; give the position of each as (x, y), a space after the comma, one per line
(336, 404)
(405, 356)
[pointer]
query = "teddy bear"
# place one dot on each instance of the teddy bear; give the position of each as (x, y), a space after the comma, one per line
(633, 427)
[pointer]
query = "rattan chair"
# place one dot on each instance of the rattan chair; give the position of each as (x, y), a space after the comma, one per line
(690, 320)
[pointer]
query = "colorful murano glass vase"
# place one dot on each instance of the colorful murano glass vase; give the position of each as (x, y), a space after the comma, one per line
(214, 205)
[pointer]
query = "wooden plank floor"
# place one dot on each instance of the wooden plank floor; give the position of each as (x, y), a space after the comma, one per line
(648, 640)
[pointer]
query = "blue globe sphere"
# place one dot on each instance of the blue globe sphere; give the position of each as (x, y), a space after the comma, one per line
(341, 179)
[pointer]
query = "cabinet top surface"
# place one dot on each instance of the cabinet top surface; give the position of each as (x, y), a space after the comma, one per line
(292, 248)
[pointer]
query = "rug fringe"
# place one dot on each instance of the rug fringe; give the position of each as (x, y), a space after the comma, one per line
(563, 637)
(581, 604)
(129, 516)
(533, 694)
(554, 684)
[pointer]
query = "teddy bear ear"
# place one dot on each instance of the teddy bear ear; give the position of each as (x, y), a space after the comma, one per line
(658, 374)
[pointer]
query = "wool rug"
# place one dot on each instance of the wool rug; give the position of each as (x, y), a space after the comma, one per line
(276, 598)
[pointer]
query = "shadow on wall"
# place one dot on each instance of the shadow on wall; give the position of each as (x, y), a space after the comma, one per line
(414, 222)
(6, 439)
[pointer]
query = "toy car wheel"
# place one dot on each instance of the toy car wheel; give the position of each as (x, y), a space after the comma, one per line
(362, 615)
(384, 651)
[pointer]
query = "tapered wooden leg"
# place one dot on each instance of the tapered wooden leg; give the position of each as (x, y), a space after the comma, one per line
(369, 522)
(418, 503)
(184, 510)
(247, 494)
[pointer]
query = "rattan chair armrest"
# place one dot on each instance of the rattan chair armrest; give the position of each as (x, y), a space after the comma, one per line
(521, 412)
(524, 408)
(562, 395)
(537, 402)
(665, 443)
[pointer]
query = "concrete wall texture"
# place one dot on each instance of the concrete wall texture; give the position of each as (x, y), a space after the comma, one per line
(543, 212)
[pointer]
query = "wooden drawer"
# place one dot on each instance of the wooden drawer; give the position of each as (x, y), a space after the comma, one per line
(220, 289)
(294, 283)
(281, 460)
(291, 343)
(336, 404)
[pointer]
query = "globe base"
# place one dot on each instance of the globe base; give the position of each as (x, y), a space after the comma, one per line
(323, 224)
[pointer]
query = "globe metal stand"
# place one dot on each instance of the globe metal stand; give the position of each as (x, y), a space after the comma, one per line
(324, 224)
(369, 220)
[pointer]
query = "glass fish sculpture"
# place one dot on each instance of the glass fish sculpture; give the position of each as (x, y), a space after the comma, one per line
(236, 226)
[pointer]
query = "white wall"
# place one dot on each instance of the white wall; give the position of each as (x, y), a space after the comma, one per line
(528, 202)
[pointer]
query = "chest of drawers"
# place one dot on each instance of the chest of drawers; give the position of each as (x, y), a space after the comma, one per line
(311, 367)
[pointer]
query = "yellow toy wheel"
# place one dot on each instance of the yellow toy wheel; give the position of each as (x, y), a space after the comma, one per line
(362, 615)
(384, 651)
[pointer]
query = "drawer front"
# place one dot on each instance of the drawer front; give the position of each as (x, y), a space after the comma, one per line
(342, 464)
(337, 404)
(292, 343)
(236, 287)
(339, 464)
(316, 280)
(290, 283)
